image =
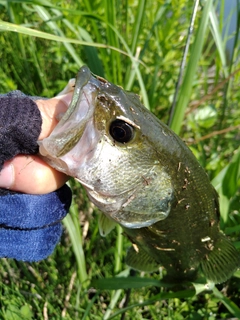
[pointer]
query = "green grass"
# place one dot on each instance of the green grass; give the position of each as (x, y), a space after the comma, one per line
(138, 45)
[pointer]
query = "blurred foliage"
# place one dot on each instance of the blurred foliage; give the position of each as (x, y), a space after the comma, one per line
(138, 45)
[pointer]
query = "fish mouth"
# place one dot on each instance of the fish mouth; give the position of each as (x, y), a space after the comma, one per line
(70, 128)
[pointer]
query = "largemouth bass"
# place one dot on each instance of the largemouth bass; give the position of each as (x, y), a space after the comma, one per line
(141, 175)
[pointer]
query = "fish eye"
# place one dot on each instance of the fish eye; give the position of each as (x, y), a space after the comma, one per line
(121, 131)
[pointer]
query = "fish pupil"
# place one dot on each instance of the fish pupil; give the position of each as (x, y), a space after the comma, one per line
(121, 131)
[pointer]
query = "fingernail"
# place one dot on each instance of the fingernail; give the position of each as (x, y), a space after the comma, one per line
(7, 175)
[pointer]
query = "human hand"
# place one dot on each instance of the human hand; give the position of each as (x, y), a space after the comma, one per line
(29, 173)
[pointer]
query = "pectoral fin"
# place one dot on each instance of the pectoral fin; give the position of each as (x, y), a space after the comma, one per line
(139, 259)
(105, 225)
(221, 262)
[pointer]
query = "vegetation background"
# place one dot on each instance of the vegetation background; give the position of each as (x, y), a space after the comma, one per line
(138, 45)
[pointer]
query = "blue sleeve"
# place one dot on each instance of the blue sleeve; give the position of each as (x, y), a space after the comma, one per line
(30, 225)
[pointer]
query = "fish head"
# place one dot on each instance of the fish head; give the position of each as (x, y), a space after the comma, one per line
(105, 141)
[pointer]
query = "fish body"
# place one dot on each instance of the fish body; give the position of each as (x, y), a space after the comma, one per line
(141, 175)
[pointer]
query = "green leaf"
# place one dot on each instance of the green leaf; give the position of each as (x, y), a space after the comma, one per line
(26, 312)
(201, 287)
(206, 116)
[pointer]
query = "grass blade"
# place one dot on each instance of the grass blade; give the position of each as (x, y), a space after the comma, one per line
(126, 283)
(184, 294)
(44, 14)
(184, 58)
(11, 27)
(185, 91)
(218, 40)
(230, 305)
(137, 24)
(71, 222)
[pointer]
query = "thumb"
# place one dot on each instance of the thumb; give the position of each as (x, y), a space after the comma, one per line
(30, 174)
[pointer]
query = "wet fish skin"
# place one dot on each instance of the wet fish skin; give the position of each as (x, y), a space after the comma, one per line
(152, 185)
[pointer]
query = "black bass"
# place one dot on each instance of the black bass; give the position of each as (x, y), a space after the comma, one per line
(142, 176)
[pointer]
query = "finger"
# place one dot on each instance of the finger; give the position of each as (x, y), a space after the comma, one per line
(30, 174)
(50, 111)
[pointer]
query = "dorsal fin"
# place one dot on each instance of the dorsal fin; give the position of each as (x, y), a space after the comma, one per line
(221, 262)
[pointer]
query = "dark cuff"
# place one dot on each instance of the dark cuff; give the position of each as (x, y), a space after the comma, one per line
(20, 123)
